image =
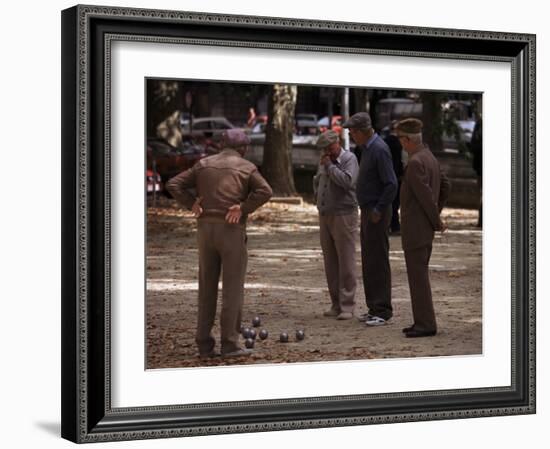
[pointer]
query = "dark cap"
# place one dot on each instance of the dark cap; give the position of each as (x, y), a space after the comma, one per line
(410, 126)
(327, 138)
(234, 138)
(359, 120)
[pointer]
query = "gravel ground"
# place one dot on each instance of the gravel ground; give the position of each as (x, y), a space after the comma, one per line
(286, 287)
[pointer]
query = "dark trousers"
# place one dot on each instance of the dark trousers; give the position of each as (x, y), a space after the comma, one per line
(221, 245)
(375, 249)
(395, 225)
(417, 261)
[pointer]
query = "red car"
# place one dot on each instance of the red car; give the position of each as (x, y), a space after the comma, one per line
(336, 124)
(154, 182)
(169, 160)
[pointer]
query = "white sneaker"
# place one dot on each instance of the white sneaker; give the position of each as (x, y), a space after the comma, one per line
(364, 317)
(375, 321)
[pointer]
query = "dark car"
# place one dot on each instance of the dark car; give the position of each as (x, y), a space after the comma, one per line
(169, 160)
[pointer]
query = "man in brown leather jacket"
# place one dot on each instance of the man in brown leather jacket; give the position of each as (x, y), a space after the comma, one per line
(228, 188)
(424, 191)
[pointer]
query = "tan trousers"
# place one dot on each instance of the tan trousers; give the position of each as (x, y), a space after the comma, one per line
(417, 261)
(339, 234)
(222, 249)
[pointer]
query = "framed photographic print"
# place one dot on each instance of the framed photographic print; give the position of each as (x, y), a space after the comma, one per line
(166, 92)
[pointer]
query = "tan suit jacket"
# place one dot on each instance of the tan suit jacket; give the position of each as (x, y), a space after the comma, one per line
(424, 191)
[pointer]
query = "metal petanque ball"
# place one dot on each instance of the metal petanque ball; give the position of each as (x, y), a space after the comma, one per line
(249, 343)
(252, 334)
(246, 332)
(300, 335)
(263, 334)
(283, 338)
(256, 321)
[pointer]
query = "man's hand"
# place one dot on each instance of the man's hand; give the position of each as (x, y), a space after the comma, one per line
(442, 227)
(374, 216)
(197, 209)
(234, 214)
(325, 160)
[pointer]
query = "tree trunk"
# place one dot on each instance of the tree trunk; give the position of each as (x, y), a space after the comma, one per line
(163, 116)
(432, 119)
(277, 160)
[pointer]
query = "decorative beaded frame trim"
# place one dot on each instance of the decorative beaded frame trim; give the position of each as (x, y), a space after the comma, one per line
(85, 13)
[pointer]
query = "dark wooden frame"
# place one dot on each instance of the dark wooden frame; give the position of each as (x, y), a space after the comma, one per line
(87, 415)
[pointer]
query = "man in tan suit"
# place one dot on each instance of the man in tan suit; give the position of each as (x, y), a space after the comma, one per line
(221, 190)
(424, 192)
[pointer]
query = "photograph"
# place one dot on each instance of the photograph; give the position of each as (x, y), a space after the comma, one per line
(325, 236)
(306, 271)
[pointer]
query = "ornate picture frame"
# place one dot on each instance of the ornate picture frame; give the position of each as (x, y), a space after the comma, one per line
(87, 411)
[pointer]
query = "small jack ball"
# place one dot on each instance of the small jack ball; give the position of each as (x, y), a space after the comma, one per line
(283, 338)
(249, 343)
(300, 335)
(256, 321)
(252, 334)
(263, 334)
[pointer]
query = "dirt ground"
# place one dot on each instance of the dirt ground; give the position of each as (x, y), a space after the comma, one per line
(286, 287)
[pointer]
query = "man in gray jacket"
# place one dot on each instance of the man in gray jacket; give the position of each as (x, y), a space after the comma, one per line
(334, 187)
(228, 188)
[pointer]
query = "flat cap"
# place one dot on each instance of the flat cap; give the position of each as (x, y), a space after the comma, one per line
(327, 138)
(410, 126)
(234, 138)
(359, 120)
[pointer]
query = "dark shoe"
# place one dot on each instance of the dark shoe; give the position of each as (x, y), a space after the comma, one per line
(237, 353)
(414, 333)
(408, 329)
(209, 355)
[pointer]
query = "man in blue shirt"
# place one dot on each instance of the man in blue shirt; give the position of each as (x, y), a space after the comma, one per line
(376, 189)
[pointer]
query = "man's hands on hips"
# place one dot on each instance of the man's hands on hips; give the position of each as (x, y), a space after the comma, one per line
(197, 209)
(234, 214)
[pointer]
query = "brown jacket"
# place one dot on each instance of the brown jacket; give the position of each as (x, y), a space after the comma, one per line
(424, 191)
(222, 181)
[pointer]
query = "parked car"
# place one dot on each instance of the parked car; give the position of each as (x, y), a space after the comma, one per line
(206, 127)
(185, 117)
(389, 109)
(306, 117)
(153, 182)
(169, 160)
(336, 123)
(459, 141)
(307, 128)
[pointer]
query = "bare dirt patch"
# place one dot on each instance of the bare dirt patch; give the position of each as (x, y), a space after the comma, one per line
(286, 287)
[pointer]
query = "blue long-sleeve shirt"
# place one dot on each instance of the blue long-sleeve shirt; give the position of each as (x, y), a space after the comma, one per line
(376, 184)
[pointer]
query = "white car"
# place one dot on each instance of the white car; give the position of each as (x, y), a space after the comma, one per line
(209, 127)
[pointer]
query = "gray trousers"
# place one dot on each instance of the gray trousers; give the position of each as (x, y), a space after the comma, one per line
(222, 249)
(338, 234)
(417, 261)
(375, 257)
